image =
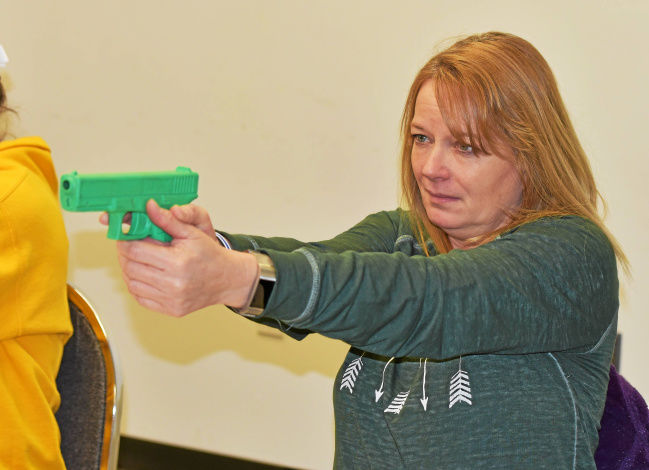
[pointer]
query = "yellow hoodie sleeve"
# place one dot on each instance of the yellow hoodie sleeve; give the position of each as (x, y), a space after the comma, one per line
(34, 315)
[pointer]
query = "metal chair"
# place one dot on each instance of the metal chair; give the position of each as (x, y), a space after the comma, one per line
(91, 392)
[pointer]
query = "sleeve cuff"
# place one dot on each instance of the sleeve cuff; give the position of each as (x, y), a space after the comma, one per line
(224, 241)
(297, 289)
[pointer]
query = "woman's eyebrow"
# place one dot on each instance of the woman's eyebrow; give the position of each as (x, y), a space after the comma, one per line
(416, 126)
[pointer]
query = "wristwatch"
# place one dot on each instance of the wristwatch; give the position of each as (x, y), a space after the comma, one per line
(261, 292)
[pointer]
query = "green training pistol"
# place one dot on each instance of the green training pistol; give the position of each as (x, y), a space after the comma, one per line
(123, 193)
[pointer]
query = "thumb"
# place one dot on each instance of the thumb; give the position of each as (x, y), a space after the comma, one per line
(185, 214)
(167, 222)
(196, 216)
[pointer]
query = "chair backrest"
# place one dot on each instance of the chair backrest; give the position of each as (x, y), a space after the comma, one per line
(91, 392)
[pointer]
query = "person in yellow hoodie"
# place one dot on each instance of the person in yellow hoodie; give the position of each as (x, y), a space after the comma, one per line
(34, 316)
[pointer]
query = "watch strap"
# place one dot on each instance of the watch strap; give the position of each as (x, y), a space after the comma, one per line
(262, 289)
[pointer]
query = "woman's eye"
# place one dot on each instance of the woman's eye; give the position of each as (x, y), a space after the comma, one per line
(465, 148)
(420, 138)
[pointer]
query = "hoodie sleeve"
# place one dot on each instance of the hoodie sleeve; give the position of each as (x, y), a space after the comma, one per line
(549, 285)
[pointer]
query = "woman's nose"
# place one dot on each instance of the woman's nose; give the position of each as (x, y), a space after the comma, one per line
(436, 163)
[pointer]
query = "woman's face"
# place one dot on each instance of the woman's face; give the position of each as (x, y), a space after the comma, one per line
(465, 193)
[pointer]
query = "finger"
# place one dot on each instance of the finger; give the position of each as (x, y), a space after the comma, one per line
(147, 282)
(167, 222)
(150, 304)
(153, 299)
(154, 305)
(196, 216)
(187, 213)
(145, 252)
(143, 290)
(104, 218)
(144, 274)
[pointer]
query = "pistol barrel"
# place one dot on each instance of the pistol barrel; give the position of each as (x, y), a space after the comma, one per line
(127, 192)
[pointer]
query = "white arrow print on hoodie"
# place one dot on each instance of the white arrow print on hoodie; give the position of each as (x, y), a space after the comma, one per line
(424, 400)
(459, 390)
(379, 392)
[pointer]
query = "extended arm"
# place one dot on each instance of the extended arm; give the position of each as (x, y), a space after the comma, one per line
(548, 286)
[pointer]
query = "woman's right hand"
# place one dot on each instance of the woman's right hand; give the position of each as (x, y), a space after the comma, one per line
(190, 272)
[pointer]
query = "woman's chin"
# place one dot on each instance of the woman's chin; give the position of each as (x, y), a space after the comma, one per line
(443, 220)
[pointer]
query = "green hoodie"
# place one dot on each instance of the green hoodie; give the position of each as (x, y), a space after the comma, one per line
(492, 358)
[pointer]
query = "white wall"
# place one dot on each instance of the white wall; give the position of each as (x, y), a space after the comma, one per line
(289, 111)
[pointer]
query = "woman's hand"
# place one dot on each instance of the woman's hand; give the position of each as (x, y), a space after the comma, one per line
(190, 272)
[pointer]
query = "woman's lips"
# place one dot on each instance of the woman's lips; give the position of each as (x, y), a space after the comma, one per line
(441, 198)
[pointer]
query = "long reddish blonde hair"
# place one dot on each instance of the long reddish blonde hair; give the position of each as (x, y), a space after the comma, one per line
(496, 88)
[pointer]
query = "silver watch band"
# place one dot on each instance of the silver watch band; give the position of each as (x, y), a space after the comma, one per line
(261, 291)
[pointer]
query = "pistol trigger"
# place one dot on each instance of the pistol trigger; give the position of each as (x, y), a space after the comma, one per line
(140, 224)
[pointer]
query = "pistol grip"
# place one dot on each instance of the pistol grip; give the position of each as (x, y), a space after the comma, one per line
(141, 227)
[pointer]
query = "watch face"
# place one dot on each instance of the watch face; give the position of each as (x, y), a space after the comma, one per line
(267, 286)
(258, 300)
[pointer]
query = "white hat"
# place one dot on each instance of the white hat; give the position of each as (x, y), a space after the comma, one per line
(3, 57)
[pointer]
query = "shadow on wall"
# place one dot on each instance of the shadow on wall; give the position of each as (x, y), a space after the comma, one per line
(208, 331)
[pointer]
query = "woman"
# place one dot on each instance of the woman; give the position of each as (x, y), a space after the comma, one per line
(482, 319)
(33, 303)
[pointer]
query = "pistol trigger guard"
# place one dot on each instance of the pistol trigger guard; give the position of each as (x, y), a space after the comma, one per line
(137, 230)
(115, 225)
(142, 227)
